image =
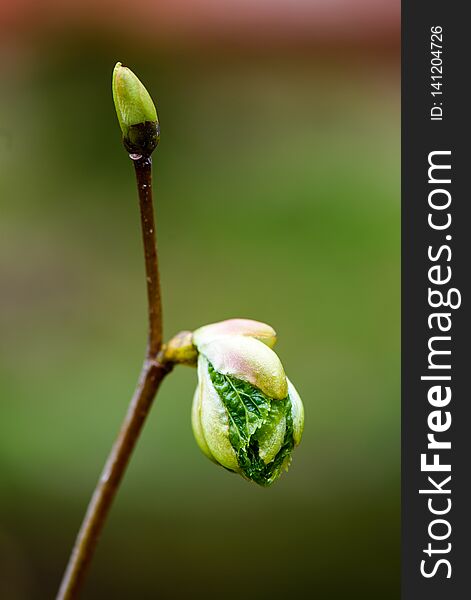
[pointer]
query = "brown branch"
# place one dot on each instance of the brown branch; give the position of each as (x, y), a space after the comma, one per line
(154, 369)
(108, 484)
(143, 168)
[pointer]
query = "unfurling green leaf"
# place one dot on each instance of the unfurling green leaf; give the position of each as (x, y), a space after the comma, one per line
(255, 425)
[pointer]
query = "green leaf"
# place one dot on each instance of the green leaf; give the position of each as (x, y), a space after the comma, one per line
(254, 422)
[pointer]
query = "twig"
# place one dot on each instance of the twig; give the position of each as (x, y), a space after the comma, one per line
(154, 369)
(143, 168)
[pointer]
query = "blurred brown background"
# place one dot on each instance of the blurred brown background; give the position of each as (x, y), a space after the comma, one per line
(277, 192)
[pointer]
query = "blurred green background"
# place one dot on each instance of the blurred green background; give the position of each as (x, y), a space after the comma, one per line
(277, 198)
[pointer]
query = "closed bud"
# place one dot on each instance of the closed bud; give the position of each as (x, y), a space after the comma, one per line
(247, 416)
(136, 112)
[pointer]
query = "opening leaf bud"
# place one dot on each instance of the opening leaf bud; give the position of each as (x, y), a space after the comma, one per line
(136, 112)
(247, 416)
